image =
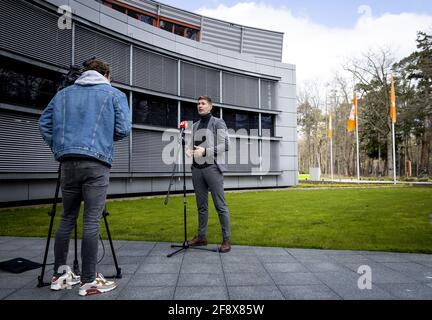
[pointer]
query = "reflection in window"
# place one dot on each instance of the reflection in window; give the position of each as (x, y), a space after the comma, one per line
(118, 8)
(168, 26)
(142, 17)
(27, 85)
(179, 30)
(267, 122)
(154, 111)
(191, 34)
(236, 120)
(189, 112)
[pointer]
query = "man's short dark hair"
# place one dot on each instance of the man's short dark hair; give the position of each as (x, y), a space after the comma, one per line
(98, 65)
(206, 98)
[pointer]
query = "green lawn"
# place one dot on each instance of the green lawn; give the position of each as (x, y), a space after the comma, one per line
(389, 219)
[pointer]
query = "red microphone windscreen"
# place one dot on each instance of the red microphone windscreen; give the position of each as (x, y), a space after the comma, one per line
(183, 125)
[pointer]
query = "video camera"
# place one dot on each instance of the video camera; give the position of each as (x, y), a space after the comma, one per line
(73, 74)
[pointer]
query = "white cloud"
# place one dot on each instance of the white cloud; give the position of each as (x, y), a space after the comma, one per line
(318, 50)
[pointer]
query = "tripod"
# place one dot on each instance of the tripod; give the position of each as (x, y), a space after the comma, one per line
(76, 269)
(185, 245)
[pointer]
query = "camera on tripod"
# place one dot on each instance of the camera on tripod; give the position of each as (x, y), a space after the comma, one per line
(73, 74)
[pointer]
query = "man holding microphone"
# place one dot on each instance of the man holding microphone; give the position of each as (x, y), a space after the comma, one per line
(210, 141)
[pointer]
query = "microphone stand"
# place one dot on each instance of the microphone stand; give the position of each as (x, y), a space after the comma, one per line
(185, 244)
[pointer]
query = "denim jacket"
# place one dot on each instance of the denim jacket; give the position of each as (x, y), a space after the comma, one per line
(86, 118)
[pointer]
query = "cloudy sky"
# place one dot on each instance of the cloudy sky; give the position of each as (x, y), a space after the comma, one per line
(320, 37)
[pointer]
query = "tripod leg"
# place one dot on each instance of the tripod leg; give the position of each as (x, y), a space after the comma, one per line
(41, 283)
(52, 214)
(105, 214)
(76, 268)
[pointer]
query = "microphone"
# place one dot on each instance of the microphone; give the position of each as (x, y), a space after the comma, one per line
(183, 125)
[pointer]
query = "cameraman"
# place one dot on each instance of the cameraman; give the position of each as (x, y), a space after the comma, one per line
(80, 125)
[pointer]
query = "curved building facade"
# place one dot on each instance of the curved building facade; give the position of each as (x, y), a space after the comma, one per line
(162, 58)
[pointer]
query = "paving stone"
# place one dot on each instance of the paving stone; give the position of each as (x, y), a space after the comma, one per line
(147, 293)
(309, 292)
(159, 268)
(154, 280)
(285, 267)
(201, 279)
(294, 278)
(242, 267)
(248, 279)
(44, 293)
(201, 268)
(201, 293)
(409, 290)
(255, 293)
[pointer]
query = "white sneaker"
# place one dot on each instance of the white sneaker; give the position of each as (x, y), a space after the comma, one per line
(99, 285)
(64, 281)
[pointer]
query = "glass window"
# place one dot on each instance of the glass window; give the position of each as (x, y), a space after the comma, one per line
(27, 85)
(191, 34)
(142, 17)
(118, 8)
(189, 111)
(180, 30)
(146, 19)
(154, 111)
(168, 26)
(133, 14)
(267, 122)
(236, 119)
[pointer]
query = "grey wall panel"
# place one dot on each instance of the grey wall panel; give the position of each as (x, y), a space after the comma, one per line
(181, 15)
(147, 149)
(270, 156)
(243, 155)
(144, 5)
(197, 81)
(240, 90)
(154, 71)
(268, 94)
(33, 32)
(22, 149)
(221, 34)
(263, 43)
(89, 43)
(121, 156)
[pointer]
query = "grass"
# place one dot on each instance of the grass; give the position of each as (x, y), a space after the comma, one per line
(387, 219)
(304, 176)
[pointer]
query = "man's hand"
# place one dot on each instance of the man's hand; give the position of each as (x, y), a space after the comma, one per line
(199, 152)
(189, 152)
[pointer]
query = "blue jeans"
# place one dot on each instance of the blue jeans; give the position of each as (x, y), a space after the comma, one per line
(81, 180)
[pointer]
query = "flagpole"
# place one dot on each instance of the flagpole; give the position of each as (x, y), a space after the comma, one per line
(393, 120)
(357, 143)
(394, 154)
(331, 157)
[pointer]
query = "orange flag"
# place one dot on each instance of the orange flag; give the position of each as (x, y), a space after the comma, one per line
(351, 124)
(392, 101)
(330, 127)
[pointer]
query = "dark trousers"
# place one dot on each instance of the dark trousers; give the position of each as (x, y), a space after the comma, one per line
(81, 180)
(210, 178)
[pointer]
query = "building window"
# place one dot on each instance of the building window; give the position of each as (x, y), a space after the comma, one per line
(165, 25)
(237, 120)
(179, 30)
(189, 112)
(141, 17)
(267, 122)
(154, 111)
(118, 8)
(27, 85)
(191, 34)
